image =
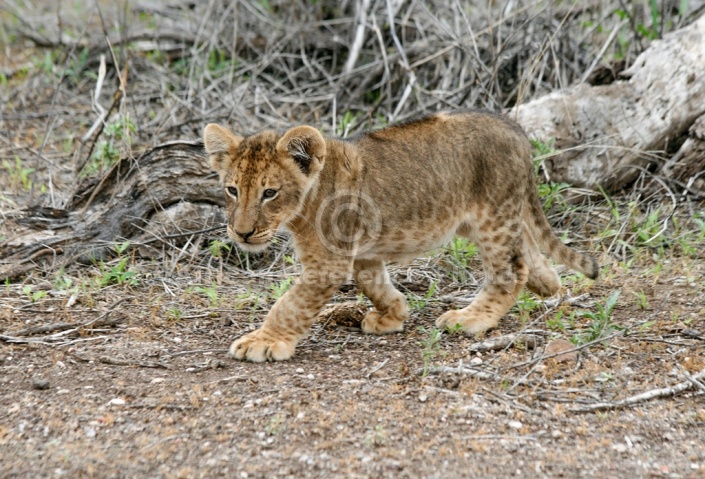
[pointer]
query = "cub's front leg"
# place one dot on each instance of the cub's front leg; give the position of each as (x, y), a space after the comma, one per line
(291, 316)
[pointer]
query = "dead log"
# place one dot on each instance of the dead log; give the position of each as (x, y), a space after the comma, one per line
(602, 133)
(166, 194)
(687, 166)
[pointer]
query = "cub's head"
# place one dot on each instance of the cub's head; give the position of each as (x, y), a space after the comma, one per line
(265, 176)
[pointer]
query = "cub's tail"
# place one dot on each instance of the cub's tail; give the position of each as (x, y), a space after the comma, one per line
(552, 245)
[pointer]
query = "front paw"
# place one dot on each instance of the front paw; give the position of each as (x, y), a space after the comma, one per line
(259, 347)
(469, 322)
(379, 323)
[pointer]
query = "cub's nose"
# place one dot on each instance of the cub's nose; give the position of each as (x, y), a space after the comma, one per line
(245, 236)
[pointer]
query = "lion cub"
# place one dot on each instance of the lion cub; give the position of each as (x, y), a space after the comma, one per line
(388, 196)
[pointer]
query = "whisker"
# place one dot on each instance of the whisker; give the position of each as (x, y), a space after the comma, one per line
(299, 215)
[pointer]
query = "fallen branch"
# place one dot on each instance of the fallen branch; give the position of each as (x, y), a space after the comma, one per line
(194, 351)
(693, 333)
(210, 364)
(119, 362)
(377, 368)
(561, 353)
(645, 396)
(498, 437)
(531, 341)
(97, 321)
(694, 380)
(553, 303)
(65, 329)
(474, 372)
(549, 303)
(127, 362)
(45, 328)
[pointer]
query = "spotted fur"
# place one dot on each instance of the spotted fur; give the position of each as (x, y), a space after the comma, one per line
(388, 196)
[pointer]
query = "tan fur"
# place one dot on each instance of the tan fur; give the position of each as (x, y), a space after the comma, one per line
(388, 196)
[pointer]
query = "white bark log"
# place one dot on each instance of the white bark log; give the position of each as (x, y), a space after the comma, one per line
(601, 131)
(688, 165)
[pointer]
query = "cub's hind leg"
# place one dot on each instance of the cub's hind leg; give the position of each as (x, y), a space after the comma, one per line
(506, 273)
(390, 305)
(543, 279)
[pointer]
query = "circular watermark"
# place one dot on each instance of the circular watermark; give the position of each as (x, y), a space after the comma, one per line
(348, 222)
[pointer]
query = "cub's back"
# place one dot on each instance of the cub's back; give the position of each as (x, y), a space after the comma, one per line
(451, 157)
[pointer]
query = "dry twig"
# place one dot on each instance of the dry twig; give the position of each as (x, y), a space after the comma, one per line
(692, 382)
(529, 339)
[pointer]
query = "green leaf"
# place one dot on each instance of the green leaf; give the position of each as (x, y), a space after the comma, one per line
(682, 8)
(612, 302)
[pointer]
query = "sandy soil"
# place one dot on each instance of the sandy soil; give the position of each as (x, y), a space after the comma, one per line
(156, 396)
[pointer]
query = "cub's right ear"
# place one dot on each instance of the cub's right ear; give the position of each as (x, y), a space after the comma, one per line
(306, 147)
(220, 144)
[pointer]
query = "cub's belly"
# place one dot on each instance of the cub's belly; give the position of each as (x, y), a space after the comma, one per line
(401, 245)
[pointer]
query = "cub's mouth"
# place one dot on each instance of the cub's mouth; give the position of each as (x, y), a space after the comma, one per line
(252, 243)
(252, 247)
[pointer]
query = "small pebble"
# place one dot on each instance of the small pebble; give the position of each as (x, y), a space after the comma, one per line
(515, 424)
(40, 383)
(558, 346)
(71, 301)
(476, 361)
(300, 370)
(620, 448)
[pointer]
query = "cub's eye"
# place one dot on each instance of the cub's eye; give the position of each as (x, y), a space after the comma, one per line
(269, 193)
(232, 191)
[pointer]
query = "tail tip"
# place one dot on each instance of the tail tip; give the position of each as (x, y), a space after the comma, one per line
(594, 271)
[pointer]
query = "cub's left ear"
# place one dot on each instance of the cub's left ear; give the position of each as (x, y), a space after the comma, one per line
(306, 147)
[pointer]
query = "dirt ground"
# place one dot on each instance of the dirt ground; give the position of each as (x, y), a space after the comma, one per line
(156, 396)
(118, 369)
